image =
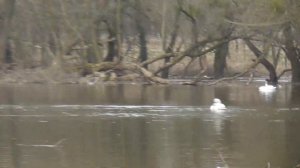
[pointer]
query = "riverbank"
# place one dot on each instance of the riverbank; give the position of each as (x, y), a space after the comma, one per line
(54, 75)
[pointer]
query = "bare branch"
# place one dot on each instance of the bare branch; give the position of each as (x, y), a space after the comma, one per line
(253, 65)
(255, 24)
(283, 72)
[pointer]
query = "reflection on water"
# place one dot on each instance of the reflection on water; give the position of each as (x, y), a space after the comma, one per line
(138, 126)
(268, 96)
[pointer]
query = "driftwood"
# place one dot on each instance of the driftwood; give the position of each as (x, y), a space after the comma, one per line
(104, 66)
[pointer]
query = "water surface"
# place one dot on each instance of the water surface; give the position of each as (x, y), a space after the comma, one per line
(134, 126)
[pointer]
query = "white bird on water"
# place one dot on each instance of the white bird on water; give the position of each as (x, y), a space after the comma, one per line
(267, 88)
(217, 105)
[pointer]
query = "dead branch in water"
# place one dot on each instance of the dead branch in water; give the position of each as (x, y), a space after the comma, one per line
(198, 78)
(104, 66)
(253, 65)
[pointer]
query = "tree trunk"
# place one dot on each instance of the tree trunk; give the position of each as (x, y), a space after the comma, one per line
(7, 13)
(169, 49)
(292, 53)
(143, 55)
(91, 56)
(220, 60)
(111, 48)
(295, 71)
(143, 45)
(272, 73)
(118, 30)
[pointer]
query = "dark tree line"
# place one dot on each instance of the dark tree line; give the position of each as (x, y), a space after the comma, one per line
(38, 33)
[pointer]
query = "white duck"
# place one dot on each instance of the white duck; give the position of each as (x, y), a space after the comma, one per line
(217, 105)
(267, 88)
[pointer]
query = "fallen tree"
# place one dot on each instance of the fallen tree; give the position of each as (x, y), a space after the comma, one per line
(147, 74)
(126, 66)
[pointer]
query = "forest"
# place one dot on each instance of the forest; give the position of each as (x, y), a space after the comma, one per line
(148, 40)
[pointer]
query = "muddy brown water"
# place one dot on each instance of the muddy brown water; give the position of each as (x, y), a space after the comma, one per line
(140, 126)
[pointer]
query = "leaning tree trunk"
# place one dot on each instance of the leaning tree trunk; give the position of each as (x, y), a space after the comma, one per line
(260, 55)
(220, 60)
(292, 53)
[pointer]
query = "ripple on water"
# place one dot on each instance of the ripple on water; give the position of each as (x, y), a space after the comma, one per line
(289, 109)
(121, 111)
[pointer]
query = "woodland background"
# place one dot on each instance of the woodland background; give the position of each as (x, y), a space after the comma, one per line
(133, 39)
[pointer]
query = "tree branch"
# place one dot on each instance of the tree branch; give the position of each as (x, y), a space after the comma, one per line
(283, 72)
(253, 65)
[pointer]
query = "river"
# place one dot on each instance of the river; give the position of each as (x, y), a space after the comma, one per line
(148, 126)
